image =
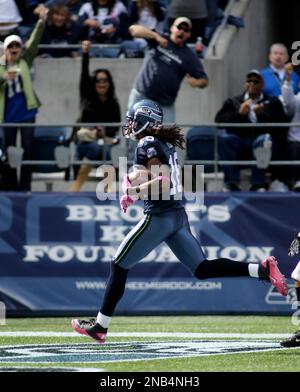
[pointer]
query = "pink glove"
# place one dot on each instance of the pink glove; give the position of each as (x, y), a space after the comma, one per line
(126, 184)
(125, 202)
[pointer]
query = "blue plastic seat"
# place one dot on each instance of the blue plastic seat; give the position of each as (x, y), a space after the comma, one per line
(200, 145)
(46, 140)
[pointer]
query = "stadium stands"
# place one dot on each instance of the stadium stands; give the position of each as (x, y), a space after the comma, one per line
(57, 78)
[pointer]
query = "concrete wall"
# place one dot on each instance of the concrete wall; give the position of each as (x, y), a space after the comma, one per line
(250, 47)
(56, 80)
(239, 50)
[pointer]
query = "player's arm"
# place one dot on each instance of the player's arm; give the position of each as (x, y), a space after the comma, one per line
(158, 180)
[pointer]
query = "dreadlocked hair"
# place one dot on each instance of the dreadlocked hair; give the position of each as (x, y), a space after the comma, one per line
(168, 133)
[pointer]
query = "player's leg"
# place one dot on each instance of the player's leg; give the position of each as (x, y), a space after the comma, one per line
(189, 252)
(294, 340)
(145, 236)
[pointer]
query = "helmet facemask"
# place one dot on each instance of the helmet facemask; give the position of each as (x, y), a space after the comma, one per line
(140, 120)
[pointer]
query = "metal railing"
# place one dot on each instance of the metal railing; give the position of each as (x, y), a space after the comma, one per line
(216, 162)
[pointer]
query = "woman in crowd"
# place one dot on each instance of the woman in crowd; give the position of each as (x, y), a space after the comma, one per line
(61, 30)
(107, 23)
(98, 104)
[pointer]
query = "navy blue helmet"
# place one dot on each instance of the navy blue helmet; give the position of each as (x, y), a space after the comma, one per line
(140, 116)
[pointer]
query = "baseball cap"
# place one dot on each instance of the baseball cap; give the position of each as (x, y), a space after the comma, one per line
(10, 39)
(182, 19)
(255, 72)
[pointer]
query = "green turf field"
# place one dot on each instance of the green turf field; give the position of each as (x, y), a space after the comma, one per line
(151, 344)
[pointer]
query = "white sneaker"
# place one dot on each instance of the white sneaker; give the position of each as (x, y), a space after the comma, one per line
(278, 186)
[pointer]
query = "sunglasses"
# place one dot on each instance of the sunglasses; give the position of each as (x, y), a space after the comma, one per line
(253, 81)
(185, 29)
(102, 80)
(14, 45)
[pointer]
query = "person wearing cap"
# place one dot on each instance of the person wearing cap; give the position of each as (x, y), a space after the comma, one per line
(195, 10)
(248, 143)
(18, 101)
(167, 61)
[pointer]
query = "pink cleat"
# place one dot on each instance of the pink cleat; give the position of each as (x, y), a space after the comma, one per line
(90, 328)
(268, 270)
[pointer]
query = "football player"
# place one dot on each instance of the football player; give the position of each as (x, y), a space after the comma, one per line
(165, 219)
(294, 340)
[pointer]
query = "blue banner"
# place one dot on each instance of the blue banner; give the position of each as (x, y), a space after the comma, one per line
(56, 249)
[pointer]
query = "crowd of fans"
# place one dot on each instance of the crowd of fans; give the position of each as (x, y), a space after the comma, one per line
(270, 95)
(69, 28)
(105, 22)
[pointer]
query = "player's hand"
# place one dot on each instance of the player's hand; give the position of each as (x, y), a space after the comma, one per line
(126, 184)
(125, 202)
(139, 176)
(294, 246)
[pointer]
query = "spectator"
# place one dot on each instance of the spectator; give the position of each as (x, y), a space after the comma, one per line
(60, 30)
(73, 5)
(9, 18)
(195, 10)
(18, 101)
(107, 23)
(274, 74)
(292, 103)
(98, 104)
(253, 106)
(166, 63)
(147, 13)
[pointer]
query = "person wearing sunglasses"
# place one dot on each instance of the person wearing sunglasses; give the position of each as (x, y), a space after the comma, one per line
(248, 143)
(196, 11)
(19, 103)
(167, 61)
(99, 104)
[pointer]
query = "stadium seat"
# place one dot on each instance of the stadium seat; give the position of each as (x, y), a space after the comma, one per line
(200, 145)
(52, 143)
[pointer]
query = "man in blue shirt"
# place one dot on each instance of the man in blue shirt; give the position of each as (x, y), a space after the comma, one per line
(167, 61)
(274, 74)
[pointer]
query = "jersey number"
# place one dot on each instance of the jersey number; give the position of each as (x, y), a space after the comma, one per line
(176, 186)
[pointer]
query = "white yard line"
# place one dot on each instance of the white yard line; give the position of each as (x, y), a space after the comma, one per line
(197, 335)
